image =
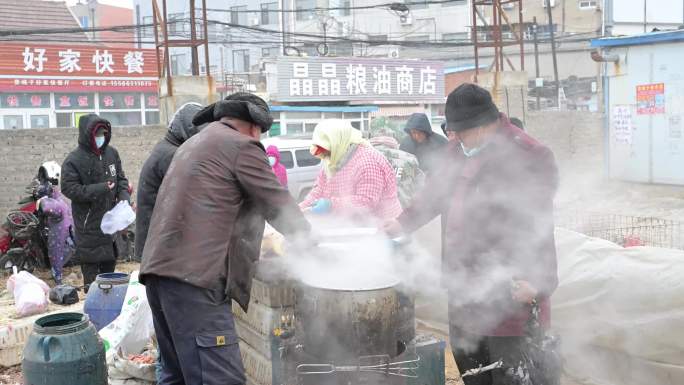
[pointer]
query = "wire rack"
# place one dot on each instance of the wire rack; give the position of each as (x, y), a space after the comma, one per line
(625, 230)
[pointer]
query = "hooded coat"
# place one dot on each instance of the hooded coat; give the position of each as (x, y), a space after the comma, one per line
(278, 168)
(498, 228)
(427, 152)
(155, 167)
(85, 173)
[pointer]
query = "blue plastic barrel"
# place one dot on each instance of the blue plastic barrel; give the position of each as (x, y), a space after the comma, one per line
(64, 349)
(105, 298)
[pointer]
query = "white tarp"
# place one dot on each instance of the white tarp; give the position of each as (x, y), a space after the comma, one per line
(620, 311)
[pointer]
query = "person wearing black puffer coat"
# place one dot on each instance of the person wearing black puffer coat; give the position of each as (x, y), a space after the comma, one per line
(155, 167)
(94, 180)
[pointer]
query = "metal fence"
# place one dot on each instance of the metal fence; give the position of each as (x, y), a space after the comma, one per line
(625, 230)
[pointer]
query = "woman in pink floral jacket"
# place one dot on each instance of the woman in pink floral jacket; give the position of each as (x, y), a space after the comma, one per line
(356, 180)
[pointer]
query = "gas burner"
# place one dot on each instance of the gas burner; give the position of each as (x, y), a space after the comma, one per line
(406, 366)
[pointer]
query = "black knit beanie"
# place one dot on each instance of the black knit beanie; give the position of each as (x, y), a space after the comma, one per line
(469, 106)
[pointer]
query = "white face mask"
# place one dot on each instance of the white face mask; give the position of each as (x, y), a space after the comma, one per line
(272, 160)
(99, 141)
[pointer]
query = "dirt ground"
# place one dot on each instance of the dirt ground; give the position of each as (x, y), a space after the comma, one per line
(11, 376)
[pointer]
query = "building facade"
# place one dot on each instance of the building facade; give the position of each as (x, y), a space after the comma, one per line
(46, 84)
(645, 107)
(347, 24)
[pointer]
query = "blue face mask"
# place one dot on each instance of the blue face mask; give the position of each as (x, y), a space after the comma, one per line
(271, 161)
(99, 141)
(471, 152)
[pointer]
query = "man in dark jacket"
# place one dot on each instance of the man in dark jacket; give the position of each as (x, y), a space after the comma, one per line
(496, 192)
(155, 167)
(205, 236)
(93, 179)
(422, 142)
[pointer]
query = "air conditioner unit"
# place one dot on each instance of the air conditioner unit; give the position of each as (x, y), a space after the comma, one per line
(254, 21)
(406, 20)
(393, 53)
(552, 2)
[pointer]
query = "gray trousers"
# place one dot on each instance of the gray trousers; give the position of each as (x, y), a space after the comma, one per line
(198, 344)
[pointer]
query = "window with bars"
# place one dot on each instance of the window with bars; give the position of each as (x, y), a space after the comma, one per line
(304, 9)
(588, 4)
(238, 15)
(269, 14)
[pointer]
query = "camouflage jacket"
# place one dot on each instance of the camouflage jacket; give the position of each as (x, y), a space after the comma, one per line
(410, 178)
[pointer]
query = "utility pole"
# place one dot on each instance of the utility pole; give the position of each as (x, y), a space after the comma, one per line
(283, 49)
(536, 61)
(553, 52)
(193, 37)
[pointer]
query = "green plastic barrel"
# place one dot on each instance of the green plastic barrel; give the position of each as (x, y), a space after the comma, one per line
(64, 349)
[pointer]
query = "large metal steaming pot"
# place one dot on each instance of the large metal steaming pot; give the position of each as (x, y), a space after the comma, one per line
(343, 325)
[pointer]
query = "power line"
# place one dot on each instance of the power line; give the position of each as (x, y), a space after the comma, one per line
(12, 35)
(390, 6)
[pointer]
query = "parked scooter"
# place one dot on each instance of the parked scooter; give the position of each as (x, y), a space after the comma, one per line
(24, 235)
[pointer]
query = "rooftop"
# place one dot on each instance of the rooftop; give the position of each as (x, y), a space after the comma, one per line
(646, 38)
(34, 15)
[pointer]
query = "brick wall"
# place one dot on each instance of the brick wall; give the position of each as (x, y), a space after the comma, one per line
(576, 139)
(23, 151)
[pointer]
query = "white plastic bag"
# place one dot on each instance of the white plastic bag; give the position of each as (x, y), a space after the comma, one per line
(30, 293)
(122, 368)
(132, 329)
(118, 218)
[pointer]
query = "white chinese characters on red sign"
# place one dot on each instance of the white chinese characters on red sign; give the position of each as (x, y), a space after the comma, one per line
(70, 61)
(358, 80)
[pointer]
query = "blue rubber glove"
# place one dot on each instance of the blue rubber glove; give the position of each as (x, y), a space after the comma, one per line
(322, 206)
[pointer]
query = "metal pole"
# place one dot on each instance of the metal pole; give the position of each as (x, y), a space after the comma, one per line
(495, 30)
(167, 56)
(536, 60)
(521, 36)
(645, 19)
(155, 17)
(193, 39)
(553, 51)
(206, 37)
(282, 25)
(474, 37)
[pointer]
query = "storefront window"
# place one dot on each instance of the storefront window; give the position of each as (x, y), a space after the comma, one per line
(24, 100)
(13, 122)
(119, 101)
(74, 101)
(122, 118)
(332, 115)
(151, 101)
(295, 128)
(152, 117)
(64, 119)
(309, 127)
(300, 115)
(40, 121)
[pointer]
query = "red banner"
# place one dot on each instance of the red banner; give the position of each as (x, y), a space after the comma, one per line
(41, 67)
